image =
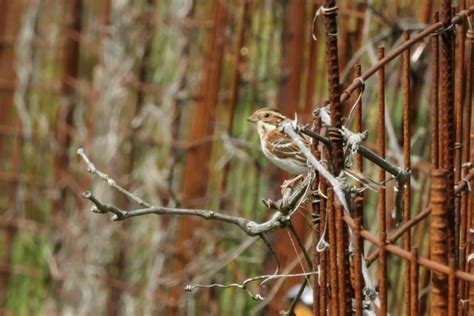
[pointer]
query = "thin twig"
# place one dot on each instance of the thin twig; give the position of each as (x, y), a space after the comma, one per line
(265, 279)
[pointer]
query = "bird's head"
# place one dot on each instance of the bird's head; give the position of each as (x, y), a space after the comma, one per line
(266, 118)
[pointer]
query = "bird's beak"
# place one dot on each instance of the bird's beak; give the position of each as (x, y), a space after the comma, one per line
(252, 118)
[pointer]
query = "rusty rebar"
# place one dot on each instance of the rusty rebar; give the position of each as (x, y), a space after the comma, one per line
(435, 137)
(343, 268)
(439, 232)
(414, 280)
(470, 262)
(331, 210)
(397, 51)
(358, 117)
(382, 266)
(358, 287)
(459, 93)
(407, 166)
(446, 99)
(458, 100)
(337, 150)
(394, 236)
(323, 255)
(452, 290)
(330, 23)
(320, 255)
(317, 219)
(358, 209)
(427, 263)
(465, 205)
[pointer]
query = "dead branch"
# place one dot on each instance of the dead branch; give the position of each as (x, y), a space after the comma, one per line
(291, 198)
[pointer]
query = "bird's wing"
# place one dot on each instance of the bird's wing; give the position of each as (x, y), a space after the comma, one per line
(283, 147)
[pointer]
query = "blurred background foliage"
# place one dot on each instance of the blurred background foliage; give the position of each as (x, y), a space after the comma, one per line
(157, 93)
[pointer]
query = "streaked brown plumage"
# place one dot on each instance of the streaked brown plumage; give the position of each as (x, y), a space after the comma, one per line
(277, 146)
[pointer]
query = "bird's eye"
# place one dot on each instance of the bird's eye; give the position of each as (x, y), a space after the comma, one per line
(266, 115)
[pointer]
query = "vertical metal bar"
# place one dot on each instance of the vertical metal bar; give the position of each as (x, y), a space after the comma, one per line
(438, 234)
(434, 98)
(323, 256)
(458, 109)
(452, 300)
(342, 256)
(407, 166)
(447, 119)
(332, 251)
(466, 207)
(435, 131)
(357, 262)
(358, 206)
(358, 209)
(471, 244)
(470, 263)
(424, 283)
(426, 8)
(317, 217)
(330, 23)
(382, 266)
(315, 258)
(459, 97)
(337, 151)
(414, 280)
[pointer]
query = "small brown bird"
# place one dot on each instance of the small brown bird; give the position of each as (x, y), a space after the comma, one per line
(276, 145)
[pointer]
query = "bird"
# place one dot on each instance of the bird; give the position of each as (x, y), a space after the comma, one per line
(278, 147)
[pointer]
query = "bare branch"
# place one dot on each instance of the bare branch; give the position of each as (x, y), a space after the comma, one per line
(250, 227)
(111, 182)
(291, 198)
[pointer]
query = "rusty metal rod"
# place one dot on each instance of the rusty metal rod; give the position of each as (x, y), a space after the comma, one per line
(342, 258)
(452, 299)
(332, 65)
(427, 263)
(332, 252)
(471, 244)
(406, 166)
(382, 266)
(414, 280)
(466, 207)
(323, 257)
(358, 287)
(459, 18)
(439, 231)
(434, 97)
(358, 120)
(446, 99)
(318, 218)
(459, 94)
(337, 150)
(458, 100)
(394, 236)
(358, 206)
